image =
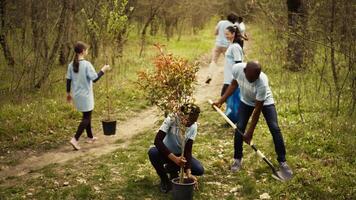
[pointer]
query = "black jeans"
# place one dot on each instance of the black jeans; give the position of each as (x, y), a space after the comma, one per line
(158, 160)
(270, 114)
(84, 124)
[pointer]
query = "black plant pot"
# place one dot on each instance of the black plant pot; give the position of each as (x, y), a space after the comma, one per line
(109, 127)
(183, 191)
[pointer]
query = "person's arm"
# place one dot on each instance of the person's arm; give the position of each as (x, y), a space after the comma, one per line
(237, 54)
(229, 91)
(92, 75)
(255, 116)
(165, 151)
(100, 74)
(217, 29)
(244, 36)
(68, 85)
(188, 153)
(160, 145)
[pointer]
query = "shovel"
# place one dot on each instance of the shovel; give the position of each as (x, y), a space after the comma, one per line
(279, 175)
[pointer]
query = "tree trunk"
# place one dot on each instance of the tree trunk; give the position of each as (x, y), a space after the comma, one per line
(55, 49)
(66, 47)
(295, 50)
(332, 58)
(3, 40)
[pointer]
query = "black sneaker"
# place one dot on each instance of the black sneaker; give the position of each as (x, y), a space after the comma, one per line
(208, 79)
(165, 185)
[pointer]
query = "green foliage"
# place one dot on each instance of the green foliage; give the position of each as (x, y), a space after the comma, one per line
(111, 22)
(172, 82)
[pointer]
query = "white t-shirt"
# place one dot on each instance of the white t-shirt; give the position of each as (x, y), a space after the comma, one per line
(221, 40)
(82, 85)
(172, 140)
(250, 92)
(233, 53)
(242, 28)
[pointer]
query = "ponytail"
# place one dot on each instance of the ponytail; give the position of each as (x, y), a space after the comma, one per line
(76, 63)
(79, 47)
(238, 36)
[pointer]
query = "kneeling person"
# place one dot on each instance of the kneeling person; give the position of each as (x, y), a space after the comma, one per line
(166, 155)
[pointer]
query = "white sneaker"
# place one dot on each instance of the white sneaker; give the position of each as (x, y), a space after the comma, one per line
(75, 144)
(91, 140)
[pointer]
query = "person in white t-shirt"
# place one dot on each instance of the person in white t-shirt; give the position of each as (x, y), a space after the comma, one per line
(234, 54)
(242, 28)
(221, 43)
(256, 97)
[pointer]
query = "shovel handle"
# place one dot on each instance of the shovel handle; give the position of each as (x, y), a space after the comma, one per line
(232, 124)
(223, 115)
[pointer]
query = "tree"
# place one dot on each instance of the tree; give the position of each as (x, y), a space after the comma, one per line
(296, 24)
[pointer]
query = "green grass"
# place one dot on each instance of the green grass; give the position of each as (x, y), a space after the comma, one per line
(327, 173)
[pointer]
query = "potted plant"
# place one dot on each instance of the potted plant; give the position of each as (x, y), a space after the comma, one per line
(109, 123)
(113, 19)
(169, 86)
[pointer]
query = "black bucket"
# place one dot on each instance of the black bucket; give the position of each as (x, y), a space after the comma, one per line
(183, 191)
(109, 127)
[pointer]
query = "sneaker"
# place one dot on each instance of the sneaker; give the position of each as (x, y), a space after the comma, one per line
(236, 166)
(91, 140)
(285, 169)
(208, 79)
(75, 144)
(165, 185)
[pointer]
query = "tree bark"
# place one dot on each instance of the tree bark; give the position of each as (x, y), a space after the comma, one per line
(295, 50)
(66, 47)
(3, 40)
(56, 45)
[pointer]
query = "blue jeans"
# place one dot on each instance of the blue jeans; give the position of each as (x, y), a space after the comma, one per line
(158, 160)
(270, 114)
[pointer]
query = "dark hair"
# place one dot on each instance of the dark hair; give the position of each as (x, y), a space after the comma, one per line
(190, 109)
(240, 19)
(232, 17)
(238, 36)
(79, 47)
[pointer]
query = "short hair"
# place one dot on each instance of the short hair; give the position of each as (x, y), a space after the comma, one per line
(240, 19)
(190, 109)
(232, 17)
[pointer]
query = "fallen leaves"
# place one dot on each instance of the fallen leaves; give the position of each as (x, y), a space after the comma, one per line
(265, 196)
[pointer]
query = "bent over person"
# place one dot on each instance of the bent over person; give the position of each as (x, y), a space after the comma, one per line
(166, 157)
(256, 97)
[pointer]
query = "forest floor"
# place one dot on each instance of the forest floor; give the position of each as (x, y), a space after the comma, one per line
(117, 167)
(106, 144)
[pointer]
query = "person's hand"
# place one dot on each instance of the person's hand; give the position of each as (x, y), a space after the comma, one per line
(180, 161)
(194, 178)
(217, 104)
(247, 137)
(106, 68)
(69, 98)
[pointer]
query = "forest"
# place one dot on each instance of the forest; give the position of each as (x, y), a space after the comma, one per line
(160, 52)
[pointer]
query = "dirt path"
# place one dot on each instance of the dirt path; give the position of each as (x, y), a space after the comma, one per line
(126, 130)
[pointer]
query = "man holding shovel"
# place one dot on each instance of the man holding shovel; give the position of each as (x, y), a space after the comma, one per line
(256, 97)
